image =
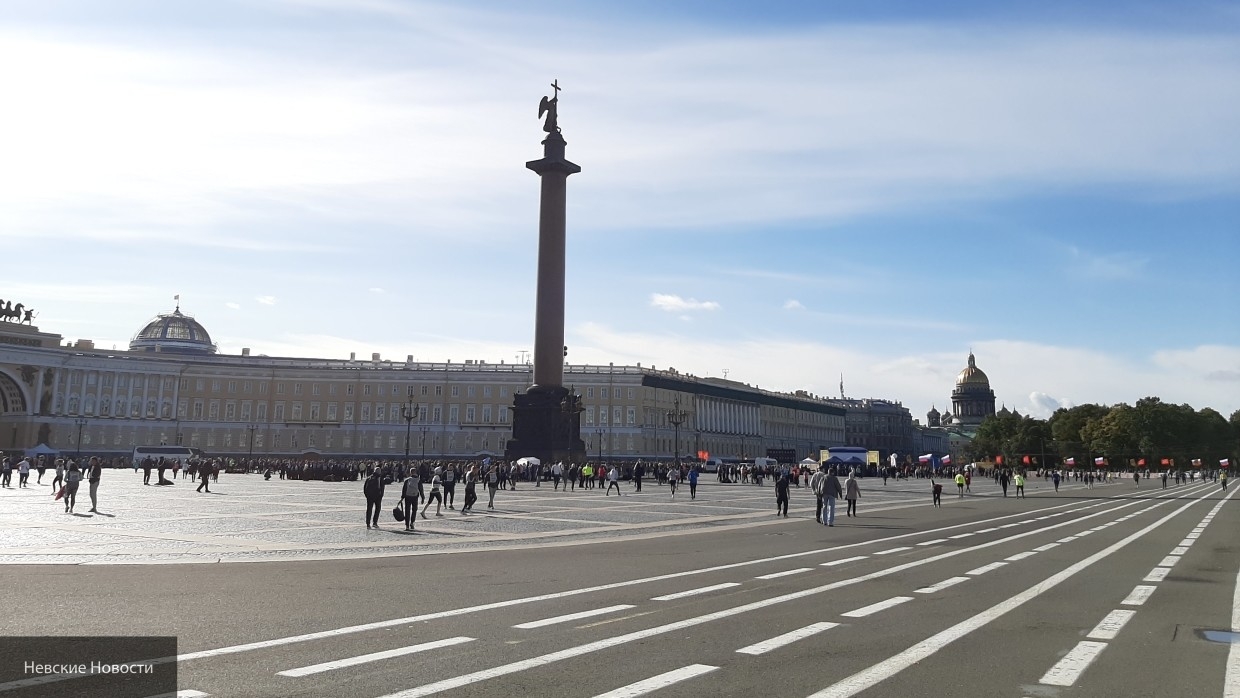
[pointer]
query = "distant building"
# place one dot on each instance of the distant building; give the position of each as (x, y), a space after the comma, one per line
(878, 425)
(173, 386)
(973, 401)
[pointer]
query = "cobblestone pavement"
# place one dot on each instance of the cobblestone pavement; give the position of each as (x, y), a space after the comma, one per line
(248, 519)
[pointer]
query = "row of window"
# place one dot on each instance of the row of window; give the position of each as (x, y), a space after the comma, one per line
(367, 413)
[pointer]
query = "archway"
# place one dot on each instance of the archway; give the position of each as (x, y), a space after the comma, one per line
(12, 399)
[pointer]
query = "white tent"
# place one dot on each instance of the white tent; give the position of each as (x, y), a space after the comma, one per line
(41, 450)
(810, 462)
(528, 460)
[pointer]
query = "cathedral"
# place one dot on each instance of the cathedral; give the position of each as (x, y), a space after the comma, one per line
(972, 401)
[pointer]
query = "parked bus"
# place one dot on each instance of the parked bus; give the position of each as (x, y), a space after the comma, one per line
(181, 453)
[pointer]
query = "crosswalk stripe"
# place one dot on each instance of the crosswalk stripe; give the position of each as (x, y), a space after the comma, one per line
(1074, 663)
(785, 573)
(574, 616)
(695, 592)
(876, 607)
(654, 683)
(373, 657)
(785, 639)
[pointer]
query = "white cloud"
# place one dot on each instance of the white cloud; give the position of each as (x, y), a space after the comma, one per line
(676, 304)
(266, 300)
(233, 306)
(1042, 405)
(793, 304)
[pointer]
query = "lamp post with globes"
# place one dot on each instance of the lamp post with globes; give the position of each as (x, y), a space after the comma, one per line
(676, 417)
(81, 423)
(409, 413)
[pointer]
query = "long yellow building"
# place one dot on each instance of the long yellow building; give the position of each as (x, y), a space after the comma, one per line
(173, 387)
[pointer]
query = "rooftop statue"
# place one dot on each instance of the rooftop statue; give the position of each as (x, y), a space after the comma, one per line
(548, 106)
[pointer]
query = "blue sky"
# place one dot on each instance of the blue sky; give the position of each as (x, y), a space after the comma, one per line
(786, 190)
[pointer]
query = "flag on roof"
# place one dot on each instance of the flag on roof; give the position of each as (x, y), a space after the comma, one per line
(1100, 461)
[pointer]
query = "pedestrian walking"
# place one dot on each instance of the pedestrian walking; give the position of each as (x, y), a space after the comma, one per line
(781, 496)
(613, 480)
(436, 495)
(73, 478)
(1222, 478)
(557, 471)
(1003, 481)
(60, 474)
(693, 481)
(471, 490)
(960, 485)
(1020, 485)
(94, 475)
(6, 471)
(492, 484)
(639, 471)
(372, 487)
(852, 492)
(410, 491)
(23, 472)
(204, 469)
(815, 485)
(831, 491)
(936, 493)
(41, 467)
(449, 486)
(672, 474)
(1055, 480)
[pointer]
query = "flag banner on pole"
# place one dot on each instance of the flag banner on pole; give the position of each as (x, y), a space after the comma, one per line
(1141, 462)
(1196, 462)
(1100, 461)
(946, 460)
(703, 455)
(926, 458)
(1026, 460)
(1225, 462)
(998, 460)
(1166, 461)
(1069, 461)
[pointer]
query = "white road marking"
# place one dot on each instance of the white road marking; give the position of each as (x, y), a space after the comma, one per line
(1192, 536)
(574, 616)
(1082, 534)
(1231, 680)
(785, 573)
(1098, 528)
(654, 683)
(183, 693)
(989, 530)
(695, 592)
(1011, 525)
(1157, 574)
(876, 607)
(932, 542)
(960, 535)
(1169, 561)
(1069, 539)
(1044, 548)
(925, 649)
(893, 550)
(1179, 550)
(373, 657)
(1139, 595)
(942, 585)
(986, 568)
(1020, 556)
(1111, 625)
(1070, 668)
(1187, 542)
(833, 563)
(786, 639)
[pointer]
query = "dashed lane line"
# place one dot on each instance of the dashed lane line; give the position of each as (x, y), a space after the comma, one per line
(923, 650)
(833, 563)
(892, 550)
(986, 568)
(946, 583)
(785, 573)
(1139, 595)
(1110, 626)
(695, 592)
(372, 657)
(877, 607)
(655, 683)
(786, 639)
(574, 616)
(1070, 668)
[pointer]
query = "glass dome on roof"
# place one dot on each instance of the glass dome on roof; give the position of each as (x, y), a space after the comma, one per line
(175, 333)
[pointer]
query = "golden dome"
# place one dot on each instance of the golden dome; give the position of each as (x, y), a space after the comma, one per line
(972, 375)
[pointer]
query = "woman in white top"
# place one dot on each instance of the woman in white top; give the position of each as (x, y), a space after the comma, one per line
(436, 495)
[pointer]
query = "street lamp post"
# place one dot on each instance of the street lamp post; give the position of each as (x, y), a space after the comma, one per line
(409, 413)
(676, 417)
(81, 423)
(249, 460)
(600, 433)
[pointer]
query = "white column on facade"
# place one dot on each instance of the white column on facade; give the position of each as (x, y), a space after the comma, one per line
(38, 392)
(129, 396)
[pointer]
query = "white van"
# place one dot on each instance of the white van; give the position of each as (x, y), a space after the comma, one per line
(763, 462)
(711, 465)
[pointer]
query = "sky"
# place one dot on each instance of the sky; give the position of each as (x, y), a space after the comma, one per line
(779, 192)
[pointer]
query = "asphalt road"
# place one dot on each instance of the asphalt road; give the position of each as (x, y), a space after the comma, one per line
(1102, 592)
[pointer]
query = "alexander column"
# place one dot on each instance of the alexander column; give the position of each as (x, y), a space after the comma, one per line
(546, 421)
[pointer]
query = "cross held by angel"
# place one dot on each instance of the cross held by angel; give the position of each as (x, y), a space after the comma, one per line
(548, 106)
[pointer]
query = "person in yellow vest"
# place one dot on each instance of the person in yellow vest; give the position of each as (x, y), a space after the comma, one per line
(1020, 484)
(1222, 478)
(960, 484)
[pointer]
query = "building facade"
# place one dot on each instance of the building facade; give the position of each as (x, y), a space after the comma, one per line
(174, 387)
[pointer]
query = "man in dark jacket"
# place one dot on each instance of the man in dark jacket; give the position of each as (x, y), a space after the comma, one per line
(372, 487)
(781, 495)
(831, 491)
